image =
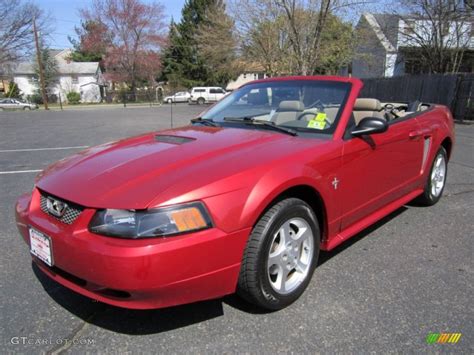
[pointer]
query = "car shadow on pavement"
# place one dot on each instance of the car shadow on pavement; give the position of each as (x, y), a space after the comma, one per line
(142, 322)
(325, 256)
(128, 321)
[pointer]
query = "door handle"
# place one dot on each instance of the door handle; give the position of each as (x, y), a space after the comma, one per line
(415, 134)
(426, 132)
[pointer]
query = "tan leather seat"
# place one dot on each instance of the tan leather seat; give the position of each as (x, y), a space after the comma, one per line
(288, 111)
(367, 108)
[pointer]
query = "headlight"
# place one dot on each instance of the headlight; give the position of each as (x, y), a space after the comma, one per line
(151, 223)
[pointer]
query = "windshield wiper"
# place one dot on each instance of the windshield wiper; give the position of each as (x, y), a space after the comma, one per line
(205, 121)
(253, 121)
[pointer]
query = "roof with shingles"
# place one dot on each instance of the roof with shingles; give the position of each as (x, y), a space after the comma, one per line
(63, 68)
(64, 65)
(389, 25)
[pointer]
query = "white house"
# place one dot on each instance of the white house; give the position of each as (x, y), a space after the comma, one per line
(250, 73)
(388, 47)
(82, 77)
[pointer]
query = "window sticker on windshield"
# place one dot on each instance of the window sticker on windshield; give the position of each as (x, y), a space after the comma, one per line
(318, 122)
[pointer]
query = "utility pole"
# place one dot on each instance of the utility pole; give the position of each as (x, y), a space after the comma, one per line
(40, 65)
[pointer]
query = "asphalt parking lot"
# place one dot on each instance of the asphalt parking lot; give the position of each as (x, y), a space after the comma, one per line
(384, 290)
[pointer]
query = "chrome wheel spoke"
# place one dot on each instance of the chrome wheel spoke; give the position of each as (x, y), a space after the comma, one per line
(290, 255)
(303, 234)
(284, 233)
(301, 266)
(283, 280)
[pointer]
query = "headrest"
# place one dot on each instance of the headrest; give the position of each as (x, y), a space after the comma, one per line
(367, 105)
(291, 106)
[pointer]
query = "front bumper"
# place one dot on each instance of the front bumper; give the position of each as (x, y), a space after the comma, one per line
(140, 274)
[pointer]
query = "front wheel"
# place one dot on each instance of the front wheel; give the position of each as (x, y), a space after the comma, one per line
(201, 101)
(436, 180)
(280, 256)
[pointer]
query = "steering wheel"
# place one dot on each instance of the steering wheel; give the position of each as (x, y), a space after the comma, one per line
(391, 109)
(317, 104)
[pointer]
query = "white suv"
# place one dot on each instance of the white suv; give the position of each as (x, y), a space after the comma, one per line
(201, 95)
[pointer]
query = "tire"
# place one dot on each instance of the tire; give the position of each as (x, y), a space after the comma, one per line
(27, 108)
(169, 101)
(267, 260)
(201, 101)
(436, 181)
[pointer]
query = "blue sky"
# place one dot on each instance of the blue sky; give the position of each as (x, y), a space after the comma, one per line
(65, 17)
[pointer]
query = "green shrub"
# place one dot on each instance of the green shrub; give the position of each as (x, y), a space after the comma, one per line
(13, 90)
(73, 97)
(35, 98)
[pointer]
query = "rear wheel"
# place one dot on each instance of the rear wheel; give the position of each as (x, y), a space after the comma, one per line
(26, 108)
(280, 256)
(436, 180)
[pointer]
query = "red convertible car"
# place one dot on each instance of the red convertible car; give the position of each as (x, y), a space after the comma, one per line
(243, 199)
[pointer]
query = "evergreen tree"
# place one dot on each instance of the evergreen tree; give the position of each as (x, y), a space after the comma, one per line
(93, 39)
(172, 58)
(13, 90)
(217, 45)
(181, 60)
(50, 69)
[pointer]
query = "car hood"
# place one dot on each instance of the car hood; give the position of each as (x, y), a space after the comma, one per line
(131, 173)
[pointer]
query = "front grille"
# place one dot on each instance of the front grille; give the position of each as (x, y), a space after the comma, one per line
(70, 215)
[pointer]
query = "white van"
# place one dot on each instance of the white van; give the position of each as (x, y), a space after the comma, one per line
(201, 95)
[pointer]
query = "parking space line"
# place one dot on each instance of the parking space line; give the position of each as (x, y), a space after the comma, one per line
(19, 171)
(39, 149)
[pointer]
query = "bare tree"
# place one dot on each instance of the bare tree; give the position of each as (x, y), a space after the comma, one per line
(263, 34)
(16, 29)
(287, 34)
(305, 21)
(438, 31)
(135, 35)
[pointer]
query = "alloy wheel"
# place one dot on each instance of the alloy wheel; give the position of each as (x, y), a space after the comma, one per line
(290, 255)
(438, 175)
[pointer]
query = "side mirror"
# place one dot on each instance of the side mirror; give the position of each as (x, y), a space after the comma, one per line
(370, 125)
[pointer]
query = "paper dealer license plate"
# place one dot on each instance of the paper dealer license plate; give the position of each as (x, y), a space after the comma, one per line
(41, 247)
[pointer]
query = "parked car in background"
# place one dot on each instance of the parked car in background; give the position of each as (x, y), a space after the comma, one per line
(15, 104)
(182, 96)
(202, 95)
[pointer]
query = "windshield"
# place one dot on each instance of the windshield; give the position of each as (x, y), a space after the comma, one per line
(302, 105)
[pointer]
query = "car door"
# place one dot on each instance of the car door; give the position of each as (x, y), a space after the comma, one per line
(220, 93)
(17, 104)
(11, 104)
(378, 169)
(180, 97)
(212, 94)
(5, 104)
